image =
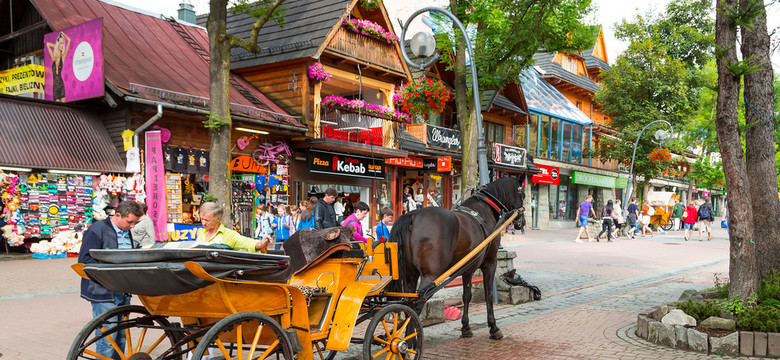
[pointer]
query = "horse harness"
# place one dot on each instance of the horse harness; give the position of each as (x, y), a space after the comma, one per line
(491, 200)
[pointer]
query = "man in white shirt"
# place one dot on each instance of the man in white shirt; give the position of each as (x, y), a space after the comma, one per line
(339, 208)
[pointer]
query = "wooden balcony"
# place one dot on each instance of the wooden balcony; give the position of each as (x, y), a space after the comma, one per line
(349, 126)
(366, 49)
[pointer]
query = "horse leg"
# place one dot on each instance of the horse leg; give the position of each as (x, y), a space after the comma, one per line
(489, 273)
(465, 330)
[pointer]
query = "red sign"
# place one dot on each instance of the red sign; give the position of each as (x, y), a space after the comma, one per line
(245, 163)
(413, 162)
(444, 164)
(549, 175)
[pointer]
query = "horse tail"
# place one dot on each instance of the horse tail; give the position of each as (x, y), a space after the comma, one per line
(399, 234)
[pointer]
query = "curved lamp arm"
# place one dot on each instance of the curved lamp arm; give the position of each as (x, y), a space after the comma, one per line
(633, 156)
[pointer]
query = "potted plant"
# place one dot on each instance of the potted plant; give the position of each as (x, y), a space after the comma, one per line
(370, 29)
(317, 73)
(423, 96)
(338, 102)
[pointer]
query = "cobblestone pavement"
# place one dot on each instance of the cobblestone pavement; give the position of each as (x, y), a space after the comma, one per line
(591, 292)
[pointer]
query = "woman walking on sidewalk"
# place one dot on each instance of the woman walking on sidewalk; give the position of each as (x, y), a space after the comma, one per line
(617, 214)
(607, 221)
(689, 218)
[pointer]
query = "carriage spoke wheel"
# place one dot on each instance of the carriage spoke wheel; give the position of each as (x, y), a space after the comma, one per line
(394, 333)
(663, 224)
(244, 336)
(146, 336)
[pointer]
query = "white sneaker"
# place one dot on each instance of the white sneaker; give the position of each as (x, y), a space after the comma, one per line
(591, 240)
(578, 241)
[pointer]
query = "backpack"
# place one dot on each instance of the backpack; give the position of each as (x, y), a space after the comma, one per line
(705, 212)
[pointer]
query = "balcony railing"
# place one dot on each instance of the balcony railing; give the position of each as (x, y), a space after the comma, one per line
(345, 125)
(366, 49)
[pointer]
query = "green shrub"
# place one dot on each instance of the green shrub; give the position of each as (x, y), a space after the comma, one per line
(769, 287)
(722, 287)
(760, 318)
(701, 310)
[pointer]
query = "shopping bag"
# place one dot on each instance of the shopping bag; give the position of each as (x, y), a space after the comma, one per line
(724, 224)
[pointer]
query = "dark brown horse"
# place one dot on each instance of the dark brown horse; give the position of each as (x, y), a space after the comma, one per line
(433, 239)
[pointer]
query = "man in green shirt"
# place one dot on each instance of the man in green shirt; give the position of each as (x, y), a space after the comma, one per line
(214, 232)
(677, 212)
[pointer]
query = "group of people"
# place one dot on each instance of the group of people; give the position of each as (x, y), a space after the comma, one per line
(637, 220)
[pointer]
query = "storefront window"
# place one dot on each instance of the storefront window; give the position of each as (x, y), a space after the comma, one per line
(576, 144)
(544, 130)
(520, 135)
(566, 155)
(556, 138)
(533, 135)
(434, 189)
(494, 133)
(563, 200)
(553, 201)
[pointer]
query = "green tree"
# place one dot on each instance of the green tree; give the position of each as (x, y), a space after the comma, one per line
(220, 44)
(659, 77)
(508, 33)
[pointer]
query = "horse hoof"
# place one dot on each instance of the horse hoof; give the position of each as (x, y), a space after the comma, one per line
(466, 334)
(496, 335)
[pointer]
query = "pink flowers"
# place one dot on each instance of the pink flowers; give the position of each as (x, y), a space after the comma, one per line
(369, 28)
(338, 102)
(318, 73)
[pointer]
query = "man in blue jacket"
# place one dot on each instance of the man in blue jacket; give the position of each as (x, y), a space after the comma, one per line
(111, 233)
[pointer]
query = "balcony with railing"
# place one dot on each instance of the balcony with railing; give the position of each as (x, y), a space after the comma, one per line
(364, 48)
(351, 126)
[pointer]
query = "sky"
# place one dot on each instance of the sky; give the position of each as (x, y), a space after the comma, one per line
(609, 12)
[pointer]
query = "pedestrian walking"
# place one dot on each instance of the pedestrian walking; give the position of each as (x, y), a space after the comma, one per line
(632, 218)
(295, 217)
(143, 231)
(111, 233)
(410, 204)
(607, 220)
(617, 214)
(354, 219)
(338, 207)
(677, 212)
(583, 212)
(324, 213)
(282, 224)
(647, 212)
(264, 220)
(706, 216)
(689, 218)
(307, 215)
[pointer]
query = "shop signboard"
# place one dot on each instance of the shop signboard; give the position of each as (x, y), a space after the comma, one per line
(246, 163)
(412, 162)
(183, 232)
(509, 155)
(430, 164)
(442, 138)
(549, 175)
(73, 58)
(579, 177)
(444, 164)
(22, 80)
(345, 164)
(155, 184)
(621, 183)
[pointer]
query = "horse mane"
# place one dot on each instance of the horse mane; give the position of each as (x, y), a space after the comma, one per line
(503, 189)
(400, 231)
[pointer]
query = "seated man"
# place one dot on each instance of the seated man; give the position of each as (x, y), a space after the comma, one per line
(214, 232)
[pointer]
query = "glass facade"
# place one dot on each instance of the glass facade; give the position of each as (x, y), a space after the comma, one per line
(556, 139)
(544, 132)
(563, 199)
(533, 134)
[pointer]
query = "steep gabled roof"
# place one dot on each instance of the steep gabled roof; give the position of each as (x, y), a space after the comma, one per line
(154, 53)
(556, 71)
(596, 57)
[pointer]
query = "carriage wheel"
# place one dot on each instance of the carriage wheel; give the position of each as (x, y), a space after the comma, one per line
(663, 224)
(243, 336)
(394, 332)
(145, 335)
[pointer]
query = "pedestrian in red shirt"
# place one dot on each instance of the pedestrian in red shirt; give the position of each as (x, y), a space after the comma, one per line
(689, 218)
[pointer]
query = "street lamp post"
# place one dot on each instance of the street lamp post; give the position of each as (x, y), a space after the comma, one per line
(661, 137)
(426, 47)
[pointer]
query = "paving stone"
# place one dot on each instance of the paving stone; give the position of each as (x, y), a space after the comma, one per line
(773, 344)
(727, 345)
(746, 343)
(698, 341)
(760, 341)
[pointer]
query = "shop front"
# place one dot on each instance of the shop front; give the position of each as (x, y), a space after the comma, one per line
(602, 187)
(544, 195)
(355, 177)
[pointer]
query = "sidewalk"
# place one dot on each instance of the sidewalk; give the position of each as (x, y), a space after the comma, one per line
(591, 294)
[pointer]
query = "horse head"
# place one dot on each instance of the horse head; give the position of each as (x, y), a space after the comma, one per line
(511, 194)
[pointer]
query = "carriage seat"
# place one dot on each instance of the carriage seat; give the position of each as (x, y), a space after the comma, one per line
(156, 272)
(309, 247)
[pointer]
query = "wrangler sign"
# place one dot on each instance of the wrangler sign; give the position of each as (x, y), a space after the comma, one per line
(344, 164)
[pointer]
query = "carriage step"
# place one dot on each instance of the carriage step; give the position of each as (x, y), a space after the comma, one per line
(459, 281)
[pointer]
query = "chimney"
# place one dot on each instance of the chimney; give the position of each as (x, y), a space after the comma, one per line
(187, 12)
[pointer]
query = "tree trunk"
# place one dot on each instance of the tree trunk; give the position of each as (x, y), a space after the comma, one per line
(742, 260)
(760, 138)
(469, 171)
(219, 71)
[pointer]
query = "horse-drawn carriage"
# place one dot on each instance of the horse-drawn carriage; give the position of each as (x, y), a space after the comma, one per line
(662, 203)
(237, 305)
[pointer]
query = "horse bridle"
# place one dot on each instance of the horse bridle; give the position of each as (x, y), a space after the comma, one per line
(489, 199)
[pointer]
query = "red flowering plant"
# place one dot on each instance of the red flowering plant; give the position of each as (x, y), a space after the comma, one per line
(660, 155)
(318, 73)
(371, 29)
(422, 96)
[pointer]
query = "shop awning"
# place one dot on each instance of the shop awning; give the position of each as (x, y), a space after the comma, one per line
(45, 135)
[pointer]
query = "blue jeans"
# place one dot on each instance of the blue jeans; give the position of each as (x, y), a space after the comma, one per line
(103, 346)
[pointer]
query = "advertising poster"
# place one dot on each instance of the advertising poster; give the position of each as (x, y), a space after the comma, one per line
(73, 59)
(22, 80)
(155, 185)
